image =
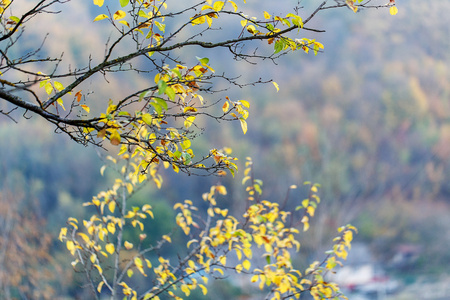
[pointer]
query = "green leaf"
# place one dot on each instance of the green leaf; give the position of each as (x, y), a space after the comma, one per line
(147, 118)
(177, 71)
(124, 3)
(186, 158)
(186, 144)
(157, 107)
(142, 14)
(161, 102)
(279, 45)
(162, 85)
(129, 272)
(203, 60)
(160, 26)
(142, 95)
(177, 154)
(170, 92)
(15, 19)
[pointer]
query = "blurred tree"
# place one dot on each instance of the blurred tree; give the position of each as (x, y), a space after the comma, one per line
(27, 269)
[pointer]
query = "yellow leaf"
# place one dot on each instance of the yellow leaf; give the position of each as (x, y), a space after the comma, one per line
(112, 206)
(124, 23)
(218, 270)
(276, 85)
(60, 102)
(305, 202)
(223, 260)
(185, 289)
(120, 14)
(129, 188)
(129, 272)
(167, 238)
(62, 233)
(267, 15)
(99, 287)
(310, 210)
(84, 237)
(115, 138)
(205, 7)
(225, 107)
(98, 2)
(191, 264)
(86, 108)
(243, 125)
(221, 189)
(251, 29)
(246, 264)
(245, 103)
(189, 121)
(128, 245)
(204, 289)
(58, 86)
(148, 119)
(393, 10)
(238, 268)
(48, 88)
(149, 264)
(110, 248)
(190, 242)
(71, 247)
(234, 5)
(218, 5)
(189, 109)
(138, 262)
(111, 227)
(100, 17)
(209, 21)
(350, 3)
(100, 270)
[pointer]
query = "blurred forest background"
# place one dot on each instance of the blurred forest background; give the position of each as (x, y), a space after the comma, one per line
(368, 119)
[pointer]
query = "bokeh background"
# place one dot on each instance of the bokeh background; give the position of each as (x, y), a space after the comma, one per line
(368, 119)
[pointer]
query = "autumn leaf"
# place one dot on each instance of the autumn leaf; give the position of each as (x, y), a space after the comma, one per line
(128, 245)
(115, 138)
(393, 10)
(218, 5)
(48, 88)
(276, 85)
(86, 108)
(243, 125)
(225, 107)
(78, 96)
(100, 17)
(99, 2)
(58, 86)
(120, 14)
